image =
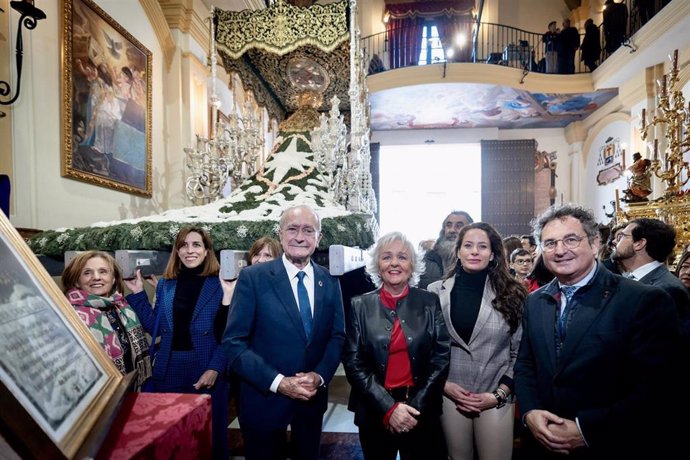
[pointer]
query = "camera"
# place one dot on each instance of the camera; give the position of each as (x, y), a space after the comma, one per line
(231, 262)
(149, 262)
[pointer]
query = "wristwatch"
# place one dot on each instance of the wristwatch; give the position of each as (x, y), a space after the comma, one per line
(501, 400)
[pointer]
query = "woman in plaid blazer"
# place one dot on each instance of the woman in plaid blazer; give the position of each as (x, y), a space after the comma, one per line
(482, 306)
(189, 358)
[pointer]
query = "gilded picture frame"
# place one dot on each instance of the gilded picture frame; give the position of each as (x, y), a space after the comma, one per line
(106, 101)
(58, 388)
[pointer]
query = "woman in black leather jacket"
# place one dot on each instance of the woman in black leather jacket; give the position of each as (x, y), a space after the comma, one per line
(396, 358)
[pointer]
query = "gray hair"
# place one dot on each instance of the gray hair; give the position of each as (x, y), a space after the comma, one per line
(372, 266)
(585, 216)
(286, 212)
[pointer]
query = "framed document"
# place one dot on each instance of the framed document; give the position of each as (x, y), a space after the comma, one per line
(57, 385)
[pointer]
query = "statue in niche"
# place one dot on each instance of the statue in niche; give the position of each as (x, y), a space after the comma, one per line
(639, 181)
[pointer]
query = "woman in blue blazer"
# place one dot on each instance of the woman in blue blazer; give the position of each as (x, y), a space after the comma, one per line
(189, 358)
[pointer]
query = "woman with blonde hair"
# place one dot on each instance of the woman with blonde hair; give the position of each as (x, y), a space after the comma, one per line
(92, 282)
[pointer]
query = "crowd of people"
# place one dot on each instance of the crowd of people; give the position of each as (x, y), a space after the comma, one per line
(567, 332)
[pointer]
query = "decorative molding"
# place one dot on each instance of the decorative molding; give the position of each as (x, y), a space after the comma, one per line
(181, 15)
(161, 29)
(634, 90)
(575, 132)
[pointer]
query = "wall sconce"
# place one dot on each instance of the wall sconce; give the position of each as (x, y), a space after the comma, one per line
(30, 15)
(386, 17)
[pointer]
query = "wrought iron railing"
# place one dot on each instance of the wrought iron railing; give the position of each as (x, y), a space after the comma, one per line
(506, 45)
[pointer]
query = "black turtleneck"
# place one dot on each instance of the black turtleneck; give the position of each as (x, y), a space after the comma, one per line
(465, 300)
(189, 284)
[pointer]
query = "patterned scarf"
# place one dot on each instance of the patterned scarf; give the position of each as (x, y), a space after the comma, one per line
(99, 314)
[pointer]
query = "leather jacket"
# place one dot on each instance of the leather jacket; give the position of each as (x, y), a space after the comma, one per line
(366, 353)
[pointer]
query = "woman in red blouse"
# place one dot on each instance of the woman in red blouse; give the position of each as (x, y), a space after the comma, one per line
(396, 358)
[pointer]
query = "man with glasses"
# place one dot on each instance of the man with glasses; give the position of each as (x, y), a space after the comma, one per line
(284, 339)
(642, 249)
(521, 264)
(596, 350)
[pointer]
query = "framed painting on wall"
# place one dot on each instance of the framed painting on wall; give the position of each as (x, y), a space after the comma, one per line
(58, 388)
(106, 101)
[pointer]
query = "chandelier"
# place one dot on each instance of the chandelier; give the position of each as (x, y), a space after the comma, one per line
(230, 155)
(673, 116)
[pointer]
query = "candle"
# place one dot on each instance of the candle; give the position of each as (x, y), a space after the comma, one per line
(656, 149)
(674, 60)
(644, 119)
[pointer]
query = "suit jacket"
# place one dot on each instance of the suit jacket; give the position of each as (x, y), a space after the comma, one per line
(490, 354)
(617, 355)
(366, 353)
(661, 277)
(209, 352)
(265, 337)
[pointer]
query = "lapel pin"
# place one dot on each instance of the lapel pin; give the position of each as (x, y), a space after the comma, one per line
(320, 283)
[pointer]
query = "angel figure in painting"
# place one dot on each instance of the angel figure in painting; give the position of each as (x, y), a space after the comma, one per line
(639, 180)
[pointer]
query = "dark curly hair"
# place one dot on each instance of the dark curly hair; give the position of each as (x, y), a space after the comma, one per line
(510, 293)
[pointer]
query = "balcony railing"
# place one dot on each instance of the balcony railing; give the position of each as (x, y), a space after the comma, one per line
(501, 44)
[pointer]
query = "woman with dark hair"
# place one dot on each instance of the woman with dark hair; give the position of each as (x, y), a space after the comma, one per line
(263, 250)
(482, 306)
(396, 358)
(683, 269)
(92, 282)
(539, 276)
(189, 358)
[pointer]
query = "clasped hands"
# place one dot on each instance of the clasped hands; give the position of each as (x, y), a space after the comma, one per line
(468, 402)
(557, 434)
(403, 419)
(301, 386)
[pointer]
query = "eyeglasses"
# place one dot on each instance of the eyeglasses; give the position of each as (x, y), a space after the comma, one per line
(622, 235)
(309, 232)
(570, 242)
(523, 261)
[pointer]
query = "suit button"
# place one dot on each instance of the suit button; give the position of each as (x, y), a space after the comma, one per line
(205, 332)
(402, 321)
(409, 339)
(165, 330)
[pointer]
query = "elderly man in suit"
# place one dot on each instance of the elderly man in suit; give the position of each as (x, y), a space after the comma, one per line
(284, 339)
(596, 348)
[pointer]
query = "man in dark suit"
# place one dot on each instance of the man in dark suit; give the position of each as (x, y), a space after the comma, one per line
(596, 348)
(284, 339)
(642, 249)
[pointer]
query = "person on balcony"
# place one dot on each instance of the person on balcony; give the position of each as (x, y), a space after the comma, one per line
(591, 45)
(552, 43)
(615, 23)
(570, 42)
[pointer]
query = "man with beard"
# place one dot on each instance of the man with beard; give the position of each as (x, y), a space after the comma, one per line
(642, 249)
(442, 255)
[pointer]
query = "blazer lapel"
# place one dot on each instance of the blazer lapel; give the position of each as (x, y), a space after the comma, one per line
(319, 297)
(548, 319)
(168, 299)
(589, 307)
(485, 310)
(283, 289)
(205, 295)
(444, 296)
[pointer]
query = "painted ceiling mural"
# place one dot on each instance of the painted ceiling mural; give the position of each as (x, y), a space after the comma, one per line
(474, 105)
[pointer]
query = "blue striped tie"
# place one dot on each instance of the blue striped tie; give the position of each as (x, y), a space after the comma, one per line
(304, 306)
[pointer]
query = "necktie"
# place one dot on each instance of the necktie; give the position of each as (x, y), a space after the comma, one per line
(568, 292)
(304, 306)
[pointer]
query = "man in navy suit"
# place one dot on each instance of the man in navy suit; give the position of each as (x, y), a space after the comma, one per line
(284, 339)
(596, 350)
(642, 249)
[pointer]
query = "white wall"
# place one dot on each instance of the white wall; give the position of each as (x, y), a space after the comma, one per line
(531, 15)
(41, 197)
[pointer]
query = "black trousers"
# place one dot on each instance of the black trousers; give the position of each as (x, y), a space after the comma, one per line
(305, 441)
(424, 442)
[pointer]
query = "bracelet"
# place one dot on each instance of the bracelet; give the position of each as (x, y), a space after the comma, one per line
(503, 392)
(500, 401)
